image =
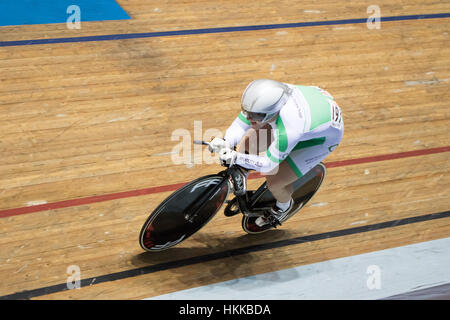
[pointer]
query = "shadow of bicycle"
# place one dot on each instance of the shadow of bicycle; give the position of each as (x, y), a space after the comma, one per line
(209, 243)
(220, 258)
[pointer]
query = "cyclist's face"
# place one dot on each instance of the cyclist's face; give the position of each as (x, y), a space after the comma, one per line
(256, 124)
(254, 117)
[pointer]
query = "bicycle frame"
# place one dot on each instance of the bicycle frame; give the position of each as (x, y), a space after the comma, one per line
(239, 182)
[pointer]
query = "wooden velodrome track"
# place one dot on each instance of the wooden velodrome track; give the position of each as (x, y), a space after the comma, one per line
(85, 140)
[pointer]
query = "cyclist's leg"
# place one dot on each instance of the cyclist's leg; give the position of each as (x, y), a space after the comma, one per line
(301, 160)
(280, 184)
(310, 153)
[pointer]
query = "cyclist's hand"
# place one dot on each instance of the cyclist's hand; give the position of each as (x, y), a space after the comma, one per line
(227, 156)
(217, 144)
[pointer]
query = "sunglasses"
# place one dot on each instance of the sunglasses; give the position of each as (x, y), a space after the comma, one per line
(255, 116)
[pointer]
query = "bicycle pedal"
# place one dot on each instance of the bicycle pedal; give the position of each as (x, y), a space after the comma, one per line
(229, 211)
(273, 221)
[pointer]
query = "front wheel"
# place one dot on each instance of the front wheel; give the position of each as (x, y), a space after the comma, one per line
(167, 225)
(304, 189)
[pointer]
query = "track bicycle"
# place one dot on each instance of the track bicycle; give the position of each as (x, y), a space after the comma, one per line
(192, 206)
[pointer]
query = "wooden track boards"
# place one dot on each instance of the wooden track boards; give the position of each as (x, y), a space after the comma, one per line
(95, 118)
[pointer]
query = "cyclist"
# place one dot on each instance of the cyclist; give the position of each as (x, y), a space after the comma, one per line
(301, 125)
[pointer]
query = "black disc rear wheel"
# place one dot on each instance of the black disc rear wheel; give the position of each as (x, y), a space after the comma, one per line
(167, 225)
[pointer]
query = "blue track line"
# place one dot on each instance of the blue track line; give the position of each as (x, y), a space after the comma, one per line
(215, 30)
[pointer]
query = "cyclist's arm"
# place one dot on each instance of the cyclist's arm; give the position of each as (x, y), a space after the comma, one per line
(266, 163)
(237, 130)
(288, 131)
(254, 162)
(278, 151)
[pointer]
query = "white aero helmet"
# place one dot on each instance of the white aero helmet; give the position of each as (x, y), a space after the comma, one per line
(263, 98)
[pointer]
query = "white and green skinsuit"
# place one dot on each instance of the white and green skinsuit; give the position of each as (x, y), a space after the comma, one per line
(308, 128)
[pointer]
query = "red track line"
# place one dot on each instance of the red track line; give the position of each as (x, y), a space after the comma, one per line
(88, 200)
(172, 187)
(387, 157)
